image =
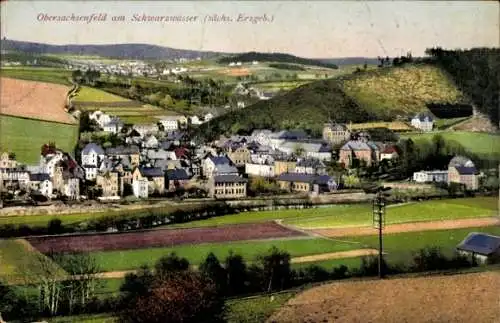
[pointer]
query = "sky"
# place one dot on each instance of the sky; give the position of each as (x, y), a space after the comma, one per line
(315, 29)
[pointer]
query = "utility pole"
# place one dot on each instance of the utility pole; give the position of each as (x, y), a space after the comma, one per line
(379, 222)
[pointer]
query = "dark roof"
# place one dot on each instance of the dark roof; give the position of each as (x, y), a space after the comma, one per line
(177, 174)
(166, 144)
(229, 179)
(151, 171)
(423, 117)
(91, 146)
(480, 243)
(310, 162)
(39, 177)
(220, 160)
(122, 150)
(462, 170)
(304, 178)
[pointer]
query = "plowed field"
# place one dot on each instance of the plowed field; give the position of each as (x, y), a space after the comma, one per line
(454, 298)
(35, 100)
(161, 238)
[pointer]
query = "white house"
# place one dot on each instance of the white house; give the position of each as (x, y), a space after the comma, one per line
(113, 126)
(312, 150)
(150, 142)
(208, 117)
(145, 129)
(422, 122)
(91, 157)
(140, 188)
(388, 153)
(41, 183)
(194, 120)
(438, 176)
(72, 188)
(100, 117)
(169, 123)
(263, 170)
(210, 165)
(92, 154)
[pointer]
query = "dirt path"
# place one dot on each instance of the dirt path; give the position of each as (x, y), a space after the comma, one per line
(409, 227)
(335, 255)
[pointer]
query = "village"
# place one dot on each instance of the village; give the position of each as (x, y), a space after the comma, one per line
(160, 160)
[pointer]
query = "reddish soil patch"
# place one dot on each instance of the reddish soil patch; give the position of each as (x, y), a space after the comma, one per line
(454, 298)
(409, 227)
(161, 238)
(36, 100)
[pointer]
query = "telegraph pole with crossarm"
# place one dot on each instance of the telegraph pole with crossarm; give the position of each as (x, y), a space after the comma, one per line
(379, 222)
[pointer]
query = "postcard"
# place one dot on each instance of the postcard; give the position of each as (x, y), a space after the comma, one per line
(249, 161)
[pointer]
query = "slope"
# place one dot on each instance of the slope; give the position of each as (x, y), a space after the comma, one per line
(380, 94)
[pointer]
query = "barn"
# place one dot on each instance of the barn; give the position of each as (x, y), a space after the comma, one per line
(481, 246)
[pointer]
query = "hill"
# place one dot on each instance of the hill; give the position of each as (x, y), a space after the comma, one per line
(477, 73)
(274, 57)
(123, 51)
(374, 95)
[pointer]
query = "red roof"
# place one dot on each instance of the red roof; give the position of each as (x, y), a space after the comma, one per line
(181, 152)
(389, 150)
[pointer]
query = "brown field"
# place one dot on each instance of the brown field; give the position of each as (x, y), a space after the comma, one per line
(35, 100)
(453, 298)
(160, 238)
(237, 72)
(409, 227)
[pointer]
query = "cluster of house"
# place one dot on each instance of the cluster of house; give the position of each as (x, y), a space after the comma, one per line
(246, 90)
(56, 174)
(239, 63)
(113, 124)
(460, 170)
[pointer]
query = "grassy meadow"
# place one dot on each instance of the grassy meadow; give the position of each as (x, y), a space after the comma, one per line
(413, 212)
(88, 94)
(21, 263)
(406, 89)
(25, 137)
(399, 246)
(481, 144)
(42, 74)
(134, 258)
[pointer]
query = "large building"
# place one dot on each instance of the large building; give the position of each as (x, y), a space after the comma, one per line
(228, 186)
(336, 133)
(462, 170)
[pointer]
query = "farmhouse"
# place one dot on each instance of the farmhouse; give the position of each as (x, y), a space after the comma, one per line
(227, 186)
(463, 171)
(154, 175)
(435, 176)
(359, 150)
(389, 153)
(481, 246)
(176, 179)
(295, 182)
(422, 122)
(115, 125)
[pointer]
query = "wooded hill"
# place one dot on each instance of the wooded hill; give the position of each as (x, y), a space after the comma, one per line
(274, 57)
(476, 72)
(382, 94)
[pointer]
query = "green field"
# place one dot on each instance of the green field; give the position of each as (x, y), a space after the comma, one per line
(481, 144)
(42, 74)
(360, 215)
(95, 95)
(254, 309)
(20, 263)
(25, 137)
(133, 259)
(414, 212)
(399, 246)
(442, 124)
